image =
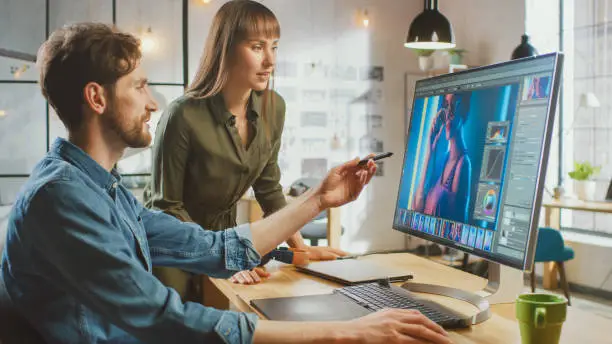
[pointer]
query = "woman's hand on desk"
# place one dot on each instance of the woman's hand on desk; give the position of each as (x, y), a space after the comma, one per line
(323, 253)
(398, 326)
(250, 276)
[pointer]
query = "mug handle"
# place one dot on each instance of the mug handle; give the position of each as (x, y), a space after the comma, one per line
(540, 317)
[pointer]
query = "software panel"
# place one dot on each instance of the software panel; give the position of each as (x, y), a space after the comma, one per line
(474, 158)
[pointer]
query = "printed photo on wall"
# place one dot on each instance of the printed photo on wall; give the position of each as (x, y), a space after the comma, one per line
(342, 94)
(314, 145)
(371, 96)
(373, 73)
(286, 69)
(315, 70)
(314, 96)
(313, 119)
(289, 93)
(288, 137)
(314, 168)
(373, 121)
(344, 73)
(380, 170)
(370, 144)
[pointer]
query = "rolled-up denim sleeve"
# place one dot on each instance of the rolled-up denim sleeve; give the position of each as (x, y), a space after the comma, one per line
(236, 327)
(89, 258)
(185, 245)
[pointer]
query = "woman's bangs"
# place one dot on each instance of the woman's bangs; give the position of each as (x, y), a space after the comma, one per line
(260, 25)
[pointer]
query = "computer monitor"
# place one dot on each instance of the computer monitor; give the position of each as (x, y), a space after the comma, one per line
(476, 156)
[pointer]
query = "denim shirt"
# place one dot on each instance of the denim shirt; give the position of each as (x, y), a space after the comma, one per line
(79, 252)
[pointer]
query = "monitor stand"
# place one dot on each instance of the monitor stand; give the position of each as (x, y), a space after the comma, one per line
(503, 286)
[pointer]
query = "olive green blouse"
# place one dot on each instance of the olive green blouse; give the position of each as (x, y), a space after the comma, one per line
(200, 167)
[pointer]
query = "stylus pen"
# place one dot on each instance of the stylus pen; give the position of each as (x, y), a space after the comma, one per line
(375, 158)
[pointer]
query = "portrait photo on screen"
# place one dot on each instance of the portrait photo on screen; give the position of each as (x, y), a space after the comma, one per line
(458, 146)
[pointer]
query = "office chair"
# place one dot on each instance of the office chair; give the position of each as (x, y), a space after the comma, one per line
(551, 248)
(14, 329)
(317, 229)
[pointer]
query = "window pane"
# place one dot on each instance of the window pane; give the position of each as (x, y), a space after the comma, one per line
(22, 128)
(56, 127)
(21, 36)
(163, 54)
(139, 160)
(63, 12)
(588, 80)
(9, 188)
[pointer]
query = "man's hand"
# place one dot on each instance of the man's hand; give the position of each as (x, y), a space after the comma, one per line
(397, 326)
(323, 253)
(344, 183)
(250, 276)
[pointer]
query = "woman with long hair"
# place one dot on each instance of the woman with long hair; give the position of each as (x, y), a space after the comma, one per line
(444, 189)
(223, 136)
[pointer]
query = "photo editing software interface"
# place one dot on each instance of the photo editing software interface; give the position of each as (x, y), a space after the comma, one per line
(472, 158)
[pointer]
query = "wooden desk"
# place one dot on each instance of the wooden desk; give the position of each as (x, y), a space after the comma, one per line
(502, 327)
(334, 225)
(552, 214)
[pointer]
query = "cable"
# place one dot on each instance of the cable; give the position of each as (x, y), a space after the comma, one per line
(606, 279)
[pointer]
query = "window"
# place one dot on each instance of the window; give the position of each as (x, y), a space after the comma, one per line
(585, 107)
(28, 125)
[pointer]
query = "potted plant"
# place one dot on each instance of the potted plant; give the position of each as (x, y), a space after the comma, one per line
(584, 186)
(425, 62)
(456, 56)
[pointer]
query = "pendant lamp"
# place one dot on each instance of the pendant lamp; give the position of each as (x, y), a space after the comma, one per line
(430, 29)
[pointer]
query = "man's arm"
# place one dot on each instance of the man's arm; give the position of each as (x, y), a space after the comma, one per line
(343, 184)
(185, 245)
(383, 327)
(89, 258)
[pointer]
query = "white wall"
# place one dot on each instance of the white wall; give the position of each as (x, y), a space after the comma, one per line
(488, 29)
(329, 31)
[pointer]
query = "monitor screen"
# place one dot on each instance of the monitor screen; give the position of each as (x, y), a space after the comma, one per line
(475, 158)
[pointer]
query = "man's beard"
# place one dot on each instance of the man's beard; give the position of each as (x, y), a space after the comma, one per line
(132, 133)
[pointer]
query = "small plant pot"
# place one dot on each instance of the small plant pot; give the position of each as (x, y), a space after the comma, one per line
(585, 189)
(425, 63)
(456, 59)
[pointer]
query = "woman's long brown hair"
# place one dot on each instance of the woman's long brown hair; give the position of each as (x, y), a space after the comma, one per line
(235, 21)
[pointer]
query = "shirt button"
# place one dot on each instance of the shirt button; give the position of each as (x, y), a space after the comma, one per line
(227, 332)
(114, 185)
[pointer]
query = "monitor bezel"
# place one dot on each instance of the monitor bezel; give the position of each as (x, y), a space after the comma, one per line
(527, 262)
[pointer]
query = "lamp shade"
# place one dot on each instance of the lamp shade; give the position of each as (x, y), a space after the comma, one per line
(430, 29)
(525, 49)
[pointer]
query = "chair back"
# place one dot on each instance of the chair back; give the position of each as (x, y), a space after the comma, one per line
(14, 328)
(550, 243)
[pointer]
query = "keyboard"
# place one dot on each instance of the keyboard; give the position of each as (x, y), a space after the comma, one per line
(376, 296)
